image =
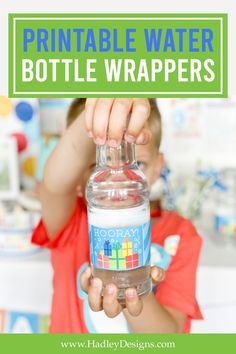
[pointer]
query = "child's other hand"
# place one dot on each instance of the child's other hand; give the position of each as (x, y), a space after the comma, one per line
(107, 118)
(108, 302)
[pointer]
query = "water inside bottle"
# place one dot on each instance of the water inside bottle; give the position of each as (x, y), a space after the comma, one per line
(112, 222)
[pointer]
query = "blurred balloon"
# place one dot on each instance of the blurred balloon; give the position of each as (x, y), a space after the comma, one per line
(24, 111)
(22, 141)
(29, 166)
(5, 106)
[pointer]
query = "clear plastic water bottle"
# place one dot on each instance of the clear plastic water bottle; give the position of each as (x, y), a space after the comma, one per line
(119, 220)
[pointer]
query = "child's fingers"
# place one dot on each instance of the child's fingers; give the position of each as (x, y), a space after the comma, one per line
(118, 120)
(89, 111)
(144, 137)
(100, 120)
(85, 279)
(139, 116)
(111, 306)
(133, 303)
(94, 294)
(157, 274)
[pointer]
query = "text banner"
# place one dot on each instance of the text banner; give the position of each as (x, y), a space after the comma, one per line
(164, 55)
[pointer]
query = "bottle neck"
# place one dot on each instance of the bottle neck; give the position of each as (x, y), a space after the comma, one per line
(116, 158)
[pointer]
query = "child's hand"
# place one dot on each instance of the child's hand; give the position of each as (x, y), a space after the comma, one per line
(107, 118)
(108, 302)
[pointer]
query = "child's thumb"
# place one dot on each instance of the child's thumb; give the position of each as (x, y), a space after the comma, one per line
(157, 274)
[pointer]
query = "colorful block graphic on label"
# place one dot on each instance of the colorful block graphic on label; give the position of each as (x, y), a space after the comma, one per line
(132, 261)
(127, 248)
(120, 248)
(117, 261)
(103, 261)
(107, 248)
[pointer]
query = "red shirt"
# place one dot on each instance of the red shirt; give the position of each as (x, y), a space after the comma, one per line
(175, 246)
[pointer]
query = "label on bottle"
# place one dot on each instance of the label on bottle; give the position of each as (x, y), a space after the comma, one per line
(120, 248)
(225, 224)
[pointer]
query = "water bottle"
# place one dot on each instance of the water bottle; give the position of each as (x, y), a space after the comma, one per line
(119, 220)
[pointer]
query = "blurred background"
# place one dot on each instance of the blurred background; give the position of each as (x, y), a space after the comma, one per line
(198, 180)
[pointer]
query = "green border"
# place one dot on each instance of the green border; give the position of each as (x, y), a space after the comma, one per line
(224, 16)
(184, 343)
(225, 55)
(10, 55)
(52, 15)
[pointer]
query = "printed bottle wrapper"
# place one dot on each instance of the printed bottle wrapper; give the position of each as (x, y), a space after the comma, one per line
(123, 248)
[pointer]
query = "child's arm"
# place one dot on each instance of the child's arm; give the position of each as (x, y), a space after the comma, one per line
(103, 119)
(63, 172)
(156, 318)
